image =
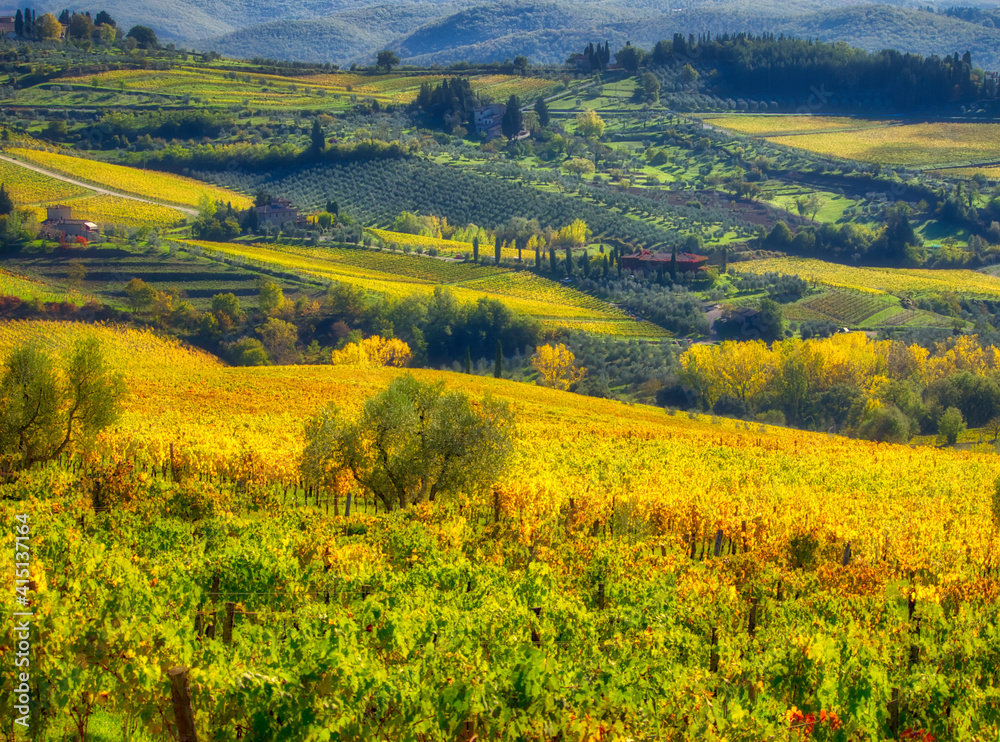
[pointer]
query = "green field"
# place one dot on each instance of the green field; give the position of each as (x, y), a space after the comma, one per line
(185, 85)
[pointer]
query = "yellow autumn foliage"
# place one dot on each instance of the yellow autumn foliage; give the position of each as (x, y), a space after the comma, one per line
(556, 364)
(372, 352)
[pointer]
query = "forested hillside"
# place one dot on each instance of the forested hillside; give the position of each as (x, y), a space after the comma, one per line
(549, 32)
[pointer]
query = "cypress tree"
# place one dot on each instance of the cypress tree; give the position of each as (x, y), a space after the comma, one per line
(725, 260)
(19, 23)
(475, 249)
(604, 266)
(569, 261)
(6, 204)
(496, 249)
(673, 265)
(317, 136)
(553, 265)
(542, 110)
(498, 367)
(585, 264)
(538, 257)
(468, 360)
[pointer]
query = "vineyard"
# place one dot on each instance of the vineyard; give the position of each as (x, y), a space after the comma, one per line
(147, 184)
(912, 145)
(640, 576)
(787, 125)
(397, 275)
(124, 211)
(879, 280)
(849, 308)
(29, 187)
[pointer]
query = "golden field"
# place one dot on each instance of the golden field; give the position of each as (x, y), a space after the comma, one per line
(924, 145)
(922, 504)
(878, 280)
(154, 185)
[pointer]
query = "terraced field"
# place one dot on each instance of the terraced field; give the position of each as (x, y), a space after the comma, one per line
(110, 268)
(397, 275)
(27, 289)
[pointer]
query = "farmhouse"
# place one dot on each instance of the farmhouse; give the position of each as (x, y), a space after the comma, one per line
(652, 261)
(487, 119)
(59, 221)
(280, 212)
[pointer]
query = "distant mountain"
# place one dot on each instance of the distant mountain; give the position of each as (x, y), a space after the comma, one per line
(446, 31)
(340, 39)
(190, 20)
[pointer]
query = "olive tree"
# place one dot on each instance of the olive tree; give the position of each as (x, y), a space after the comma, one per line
(412, 443)
(46, 410)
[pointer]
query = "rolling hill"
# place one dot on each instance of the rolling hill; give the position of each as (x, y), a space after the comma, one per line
(429, 33)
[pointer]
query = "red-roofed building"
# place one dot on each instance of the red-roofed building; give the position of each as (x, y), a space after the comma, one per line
(652, 261)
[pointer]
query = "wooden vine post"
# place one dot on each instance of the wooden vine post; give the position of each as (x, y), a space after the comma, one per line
(227, 627)
(181, 698)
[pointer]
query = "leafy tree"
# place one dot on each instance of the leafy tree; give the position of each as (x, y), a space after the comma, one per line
(64, 17)
(227, 305)
(80, 26)
(373, 352)
(270, 297)
(630, 57)
(140, 294)
(145, 37)
(520, 63)
(413, 443)
(103, 18)
(279, 340)
(317, 137)
(512, 120)
(886, 425)
(589, 124)
(556, 364)
(386, 60)
(6, 203)
(770, 321)
(993, 426)
(542, 111)
(44, 413)
(951, 425)
(248, 352)
(650, 88)
(47, 27)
